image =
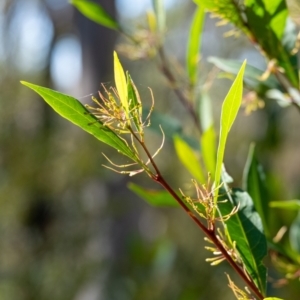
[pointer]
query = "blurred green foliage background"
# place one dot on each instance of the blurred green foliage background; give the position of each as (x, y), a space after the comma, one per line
(69, 228)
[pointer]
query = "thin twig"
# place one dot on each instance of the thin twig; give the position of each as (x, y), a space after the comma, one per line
(286, 86)
(171, 78)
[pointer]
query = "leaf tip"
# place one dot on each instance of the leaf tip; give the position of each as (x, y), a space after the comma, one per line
(244, 63)
(24, 83)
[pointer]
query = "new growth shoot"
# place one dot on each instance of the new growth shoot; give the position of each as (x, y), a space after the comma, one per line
(204, 204)
(120, 109)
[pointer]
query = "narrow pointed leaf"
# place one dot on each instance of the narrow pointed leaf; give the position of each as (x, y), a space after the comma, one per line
(245, 228)
(254, 184)
(295, 233)
(152, 22)
(225, 9)
(230, 108)
(189, 159)
(208, 149)
(154, 197)
(96, 13)
(286, 204)
(208, 138)
(252, 74)
(120, 81)
(134, 101)
(160, 14)
(194, 44)
(205, 111)
(72, 110)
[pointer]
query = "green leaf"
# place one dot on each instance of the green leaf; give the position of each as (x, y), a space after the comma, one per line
(96, 13)
(295, 234)
(245, 228)
(272, 16)
(208, 149)
(273, 298)
(154, 197)
(72, 110)
(121, 85)
(134, 101)
(230, 108)
(189, 159)
(254, 184)
(205, 111)
(251, 77)
(286, 204)
(160, 14)
(226, 9)
(194, 44)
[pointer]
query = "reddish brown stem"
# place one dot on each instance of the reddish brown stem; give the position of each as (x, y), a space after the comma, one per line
(209, 233)
(212, 236)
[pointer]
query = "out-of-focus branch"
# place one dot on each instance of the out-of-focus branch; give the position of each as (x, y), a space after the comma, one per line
(288, 88)
(172, 81)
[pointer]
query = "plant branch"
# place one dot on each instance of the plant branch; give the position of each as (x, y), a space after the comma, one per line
(287, 87)
(210, 233)
(147, 153)
(282, 79)
(212, 236)
(172, 80)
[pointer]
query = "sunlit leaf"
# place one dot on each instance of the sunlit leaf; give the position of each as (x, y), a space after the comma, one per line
(152, 22)
(254, 184)
(194, 44)
(72, 110)
(120, 81)
(153, 197)
(230, 108)
(245, 228)
(96, 13)
(269, 14)
(273, 298)
(208, 149)
(225, 9)
(272, 16)
(189, 159)
(134, 101)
